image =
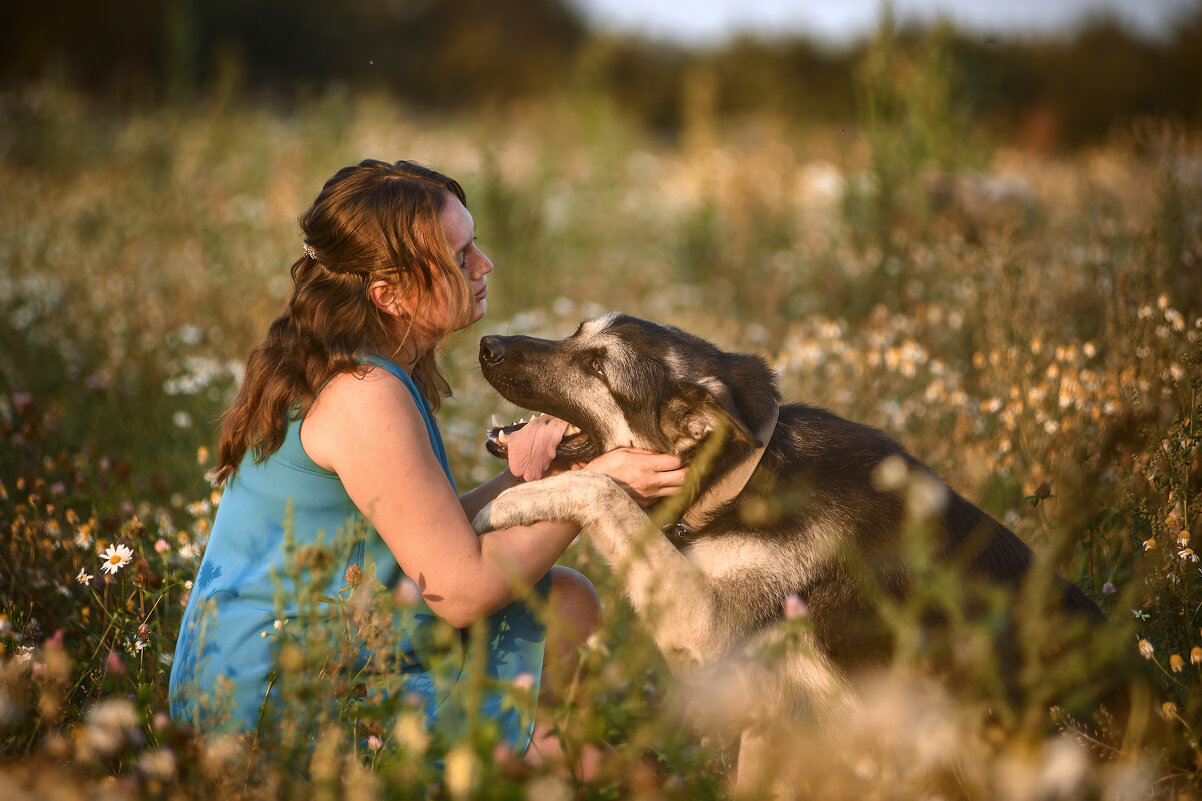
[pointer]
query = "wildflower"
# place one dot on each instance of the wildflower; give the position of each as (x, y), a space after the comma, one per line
(188, 551)
(114, 663)
(353, 575)
(1109, 589)
(374, 743)
(1195, 656)
(523, 681)
(1150, 544)
(161, 545)
(1183, 538)
(83, 577)
(1169, 710)
(25, 654)
(407, 592)
(115, 557)
(1188, 554)
(1140, 614)
(109, 724)
(202, 455)
(1176, 663)
(460, 771)
(138, 645)
(278, 624)
(411, 733)
(795, 607)
(159, 764)
(1145, 649)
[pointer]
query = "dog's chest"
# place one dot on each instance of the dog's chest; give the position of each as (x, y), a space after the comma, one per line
(733, 554)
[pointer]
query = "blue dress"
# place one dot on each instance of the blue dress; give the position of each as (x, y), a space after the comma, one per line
(226, 676)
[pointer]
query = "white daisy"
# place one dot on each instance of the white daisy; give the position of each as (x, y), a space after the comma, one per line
(84, 577)
(115, 557)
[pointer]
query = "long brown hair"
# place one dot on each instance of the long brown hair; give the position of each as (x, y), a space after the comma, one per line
(370, 222)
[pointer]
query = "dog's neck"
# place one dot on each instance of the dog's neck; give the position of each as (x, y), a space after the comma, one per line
(731, 482)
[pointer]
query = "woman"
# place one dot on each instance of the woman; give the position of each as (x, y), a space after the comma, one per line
(333, 431)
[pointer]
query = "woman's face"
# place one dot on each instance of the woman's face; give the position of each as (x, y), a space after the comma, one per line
(460, 230)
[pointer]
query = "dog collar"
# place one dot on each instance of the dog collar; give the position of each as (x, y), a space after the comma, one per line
(727, 487)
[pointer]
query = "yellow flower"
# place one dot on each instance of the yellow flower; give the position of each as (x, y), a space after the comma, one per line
(1176, 663)
(1150, 544)
(1169, 710)
(1145, 649)
(1195, 655)
(460, 771)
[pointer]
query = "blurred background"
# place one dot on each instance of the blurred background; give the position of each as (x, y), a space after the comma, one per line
(1044, 75)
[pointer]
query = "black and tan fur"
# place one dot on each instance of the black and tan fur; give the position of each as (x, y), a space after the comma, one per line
(816, 519)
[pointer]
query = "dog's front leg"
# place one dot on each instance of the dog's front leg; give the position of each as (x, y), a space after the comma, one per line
(579, 496)
(669, 593)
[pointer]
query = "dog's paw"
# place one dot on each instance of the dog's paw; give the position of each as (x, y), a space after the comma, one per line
(576, 497)
(482, 522)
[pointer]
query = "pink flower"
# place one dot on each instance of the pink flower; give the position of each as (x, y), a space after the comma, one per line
(795, 607)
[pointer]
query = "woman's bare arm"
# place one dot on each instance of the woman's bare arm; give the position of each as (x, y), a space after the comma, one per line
(369, 431)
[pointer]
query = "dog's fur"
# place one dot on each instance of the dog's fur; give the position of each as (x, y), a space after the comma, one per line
(828, 515)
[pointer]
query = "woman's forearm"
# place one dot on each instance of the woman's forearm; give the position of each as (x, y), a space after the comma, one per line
(511, 561)
(475, 500)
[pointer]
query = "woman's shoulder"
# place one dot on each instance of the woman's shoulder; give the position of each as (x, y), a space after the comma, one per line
(357, 406)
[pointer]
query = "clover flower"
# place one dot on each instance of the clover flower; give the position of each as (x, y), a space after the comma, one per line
(115, 557)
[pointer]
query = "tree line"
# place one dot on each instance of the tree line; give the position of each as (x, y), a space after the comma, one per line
(460, 54)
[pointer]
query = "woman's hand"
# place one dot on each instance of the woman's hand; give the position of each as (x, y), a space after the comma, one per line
(646, 476)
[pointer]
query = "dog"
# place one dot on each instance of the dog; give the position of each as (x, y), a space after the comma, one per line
(792, 507)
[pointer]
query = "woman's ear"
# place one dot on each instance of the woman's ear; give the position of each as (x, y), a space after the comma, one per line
(386, 298)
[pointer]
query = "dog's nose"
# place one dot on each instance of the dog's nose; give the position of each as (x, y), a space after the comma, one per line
(492, 350)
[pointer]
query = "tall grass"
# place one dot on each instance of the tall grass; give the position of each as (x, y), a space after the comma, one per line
(1029, 326)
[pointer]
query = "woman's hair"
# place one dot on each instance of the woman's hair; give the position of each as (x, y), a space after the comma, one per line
(370, 222)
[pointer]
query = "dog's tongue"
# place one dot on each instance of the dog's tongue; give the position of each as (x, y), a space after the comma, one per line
(574, 445)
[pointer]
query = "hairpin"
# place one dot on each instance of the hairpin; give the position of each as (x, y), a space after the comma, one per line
(310, 252)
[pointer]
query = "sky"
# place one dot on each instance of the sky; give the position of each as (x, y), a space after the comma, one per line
(841, 21)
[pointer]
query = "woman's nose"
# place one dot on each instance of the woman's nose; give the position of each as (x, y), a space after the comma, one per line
(482, 266)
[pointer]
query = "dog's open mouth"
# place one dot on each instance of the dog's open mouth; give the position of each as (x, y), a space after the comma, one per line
(576, 443)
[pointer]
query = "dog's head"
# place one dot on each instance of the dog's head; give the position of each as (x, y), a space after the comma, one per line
(626, 382)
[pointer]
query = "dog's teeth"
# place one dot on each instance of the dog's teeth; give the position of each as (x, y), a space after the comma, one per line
(494, 421)
(571, 431)
(522, 422)
(502, 437)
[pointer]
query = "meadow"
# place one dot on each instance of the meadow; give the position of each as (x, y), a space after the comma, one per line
(1027, 324)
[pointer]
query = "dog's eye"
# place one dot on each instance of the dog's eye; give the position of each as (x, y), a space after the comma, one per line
(595, 366)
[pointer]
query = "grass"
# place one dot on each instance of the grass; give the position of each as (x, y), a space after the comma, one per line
(1029, 327)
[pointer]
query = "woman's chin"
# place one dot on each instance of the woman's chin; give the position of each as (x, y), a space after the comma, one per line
(479, 308)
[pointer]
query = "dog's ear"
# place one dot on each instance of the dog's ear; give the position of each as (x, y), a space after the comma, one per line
(697, 409)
